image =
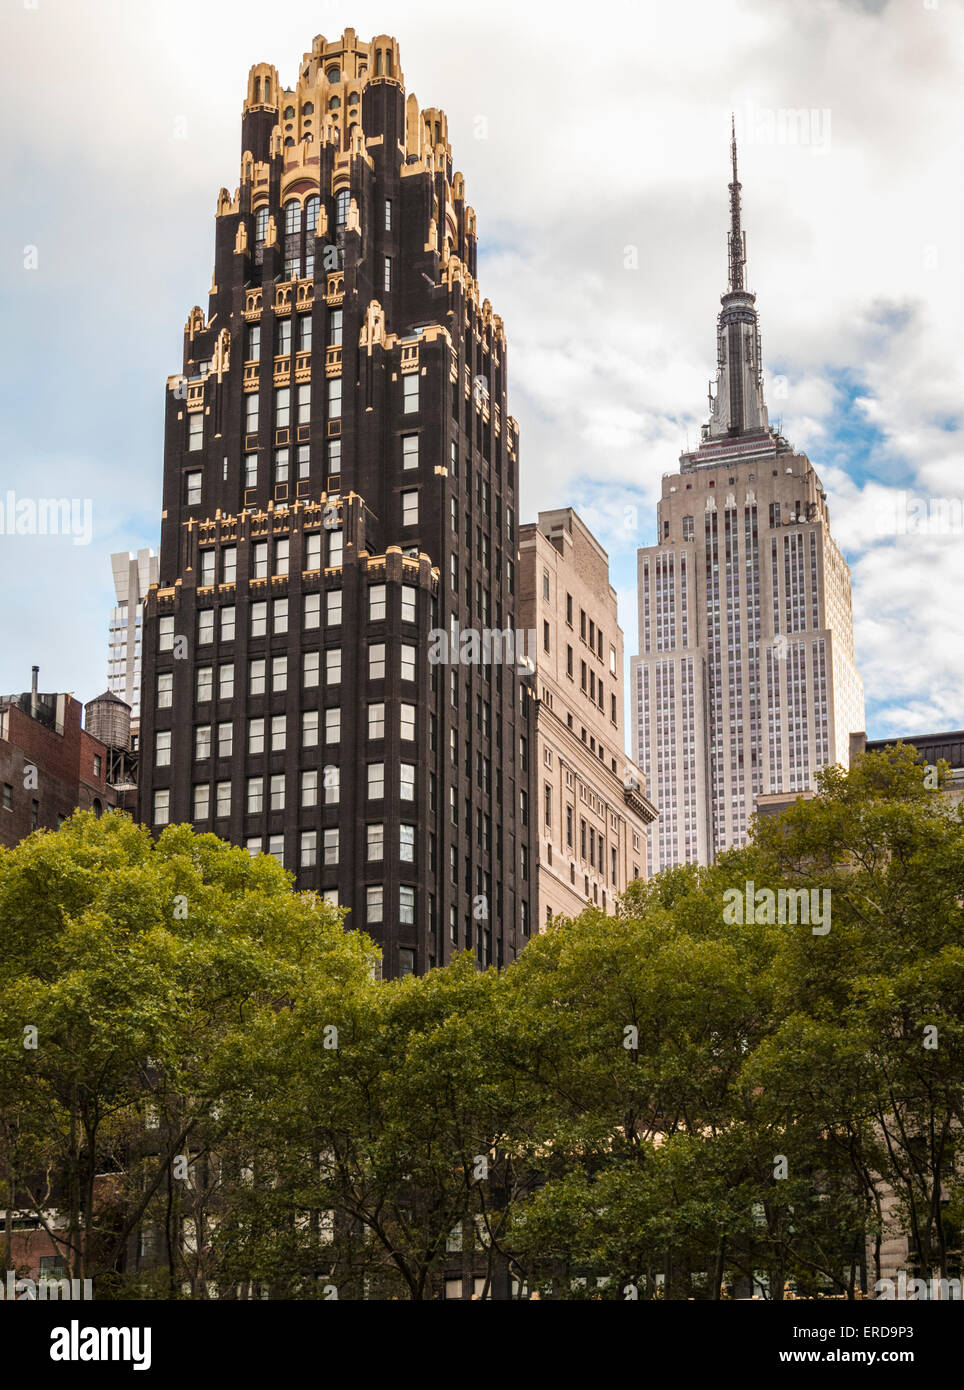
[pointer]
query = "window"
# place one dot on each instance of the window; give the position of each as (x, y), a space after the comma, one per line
(259, 559)
(304, 333)
(331, 846)
(282, 405)
(251, 413)
(545, 586)
(376, 781)
(376, 661)
(276, 847)
(545, 636)
(255, 735)
(279, 673)
(408, 662)
(304, 403)
(279, 615)
(229, 564)
(284, 337)
(406, 913)
(205, 627)
(207, 558)
(406, 781)
(334, 398)
(388, 214)
(409, 508)
(410, 393)
(312, 613)
(309, 787)
(278, 733)
(387, 273)
(407, 717)
(309, 729)
(162, 748)
(408, 603)
(282, 460)
(162, 804)
(376, 602)
(193, 489)
(227, 624)
(333, 666)
(313, 205)
(256, 676)
(165, 635)
(195, 431)
(202, 742)
(292, 213)
(335, 550)
(335, 320)
(310, 668)
(312, 551)
(409, 452)
(261, 224)
(341, 207)
(308, 854)
(376, 842)
(225, 739)
(333, 613)
(98, 764)
(373, 905)
(406, 844)
(278, 792)
(332, 785)
(165, 689)
(205, 683)
(259, 619)
(376, 720)
(225, 682)
(333, 725)
(255, 801)
(202, 802)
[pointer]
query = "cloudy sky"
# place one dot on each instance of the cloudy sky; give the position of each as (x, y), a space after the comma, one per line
(595, 150)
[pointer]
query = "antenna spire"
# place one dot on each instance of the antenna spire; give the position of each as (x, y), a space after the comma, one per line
(737, 237)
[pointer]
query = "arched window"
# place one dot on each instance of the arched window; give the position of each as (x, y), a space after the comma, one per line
(293, 216)
(289, 113)
(308, 109)
(257, 91)
(289, 140)
(378, 62)
(341, 207)
(354, 99)
(334, 104)
(311, 210)
(388, 62)
(261, 224)
(333, 74)
(97, 807)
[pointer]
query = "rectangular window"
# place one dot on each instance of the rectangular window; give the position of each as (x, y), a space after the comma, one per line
(335, 541)
(252, 342)
(408, 661)
(251, 413)
(256, 676)
(202, 802)
(223, 800)
(304, 460)
(309, 849)
(205, 684)
(310, 668)
(334, 398)
(195, 431)
(333, 725)
(376, 842)
(162, 804)
(282, 406)
(225, 682)
(279, 673)
(276, 847)
(229, 564)
(225, 739)
(388, 214)
(259, 619)
(255, 735)
(410, 393)
(227, 624)
(374, 896)
(313, 551)
(334, 328)
(259, 556)
(202, 742)
(406, 910)
(251, 470)
(331, 846)
(278, 792)
(376, 720)
(162, 748)
(278, 732)
(376, 602)
(205, 627)
(309, 787)
(282, 463)
(255, 800)
(409, 508)
(406, 844)
(165, 689)
(165, 634)
(408, 603)
(387, 273)
(409, 452)
(304, 333)
(333, 613)
(407, 716)
(193, 489)
(406, 781)
(332, 785)
(309, 729)
(333, 666)
(284, 336)
(279, 615)
(376, 781)
(312, 615)
(376, 661)
(304, 403)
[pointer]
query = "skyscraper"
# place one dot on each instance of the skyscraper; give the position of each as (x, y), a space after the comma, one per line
(340, 480)
(133, 576)
(745, 683)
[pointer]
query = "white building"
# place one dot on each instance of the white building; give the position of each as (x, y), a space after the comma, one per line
(133, 574)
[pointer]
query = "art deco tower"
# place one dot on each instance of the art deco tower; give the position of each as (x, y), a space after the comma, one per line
(745, 684)
(340, 478)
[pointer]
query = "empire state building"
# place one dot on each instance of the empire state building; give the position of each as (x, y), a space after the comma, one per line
(745, 684)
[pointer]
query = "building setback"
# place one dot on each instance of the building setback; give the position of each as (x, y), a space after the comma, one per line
(341, 479)
(745, 683)
(49, 766)
(591, 810)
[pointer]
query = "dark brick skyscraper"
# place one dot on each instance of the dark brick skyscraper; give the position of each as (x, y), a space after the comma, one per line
(340, 478)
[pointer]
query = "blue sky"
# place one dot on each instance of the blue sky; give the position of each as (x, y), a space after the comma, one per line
(580, 136)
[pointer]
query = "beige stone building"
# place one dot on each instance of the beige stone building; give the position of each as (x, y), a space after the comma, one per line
(745, 683)
(591, 807)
